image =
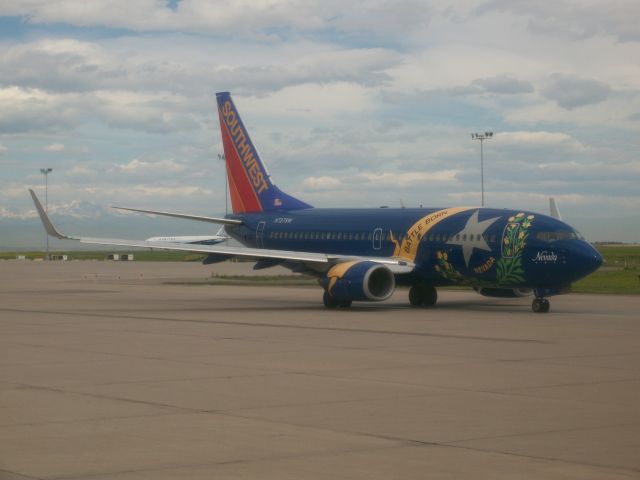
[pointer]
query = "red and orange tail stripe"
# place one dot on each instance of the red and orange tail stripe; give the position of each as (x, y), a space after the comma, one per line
(245, 199)
(249, 183)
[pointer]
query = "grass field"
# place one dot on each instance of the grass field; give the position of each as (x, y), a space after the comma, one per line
(619, 274)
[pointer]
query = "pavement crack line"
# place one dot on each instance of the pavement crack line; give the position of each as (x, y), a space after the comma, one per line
(412, 441)
(282, 325)
(270, 458)
(545, 458)
(9, 475)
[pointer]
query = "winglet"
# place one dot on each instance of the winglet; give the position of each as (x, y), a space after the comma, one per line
(554, 211)
(46, 221)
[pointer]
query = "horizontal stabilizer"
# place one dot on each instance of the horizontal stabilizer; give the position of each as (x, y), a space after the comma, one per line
(198, 218)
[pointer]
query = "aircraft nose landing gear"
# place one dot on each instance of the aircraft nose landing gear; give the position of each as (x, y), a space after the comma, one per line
(540, 305)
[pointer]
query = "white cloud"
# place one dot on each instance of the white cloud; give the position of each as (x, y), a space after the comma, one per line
(311, 101)
(381, 179)
(83, 171)
(498, 85)
(612, 113)
(26, 109)
(529, 139)
(17, 190)
(6, 213)
(322, 183)
(54, 147)
(35, 110)
(503, 84)
(157, 191)
(3, 149)
(349, 105)
(68, 65)
(407, 179)
(576, 18)
(435, 68)
(571, 91)
(137, 166)
(252, 19)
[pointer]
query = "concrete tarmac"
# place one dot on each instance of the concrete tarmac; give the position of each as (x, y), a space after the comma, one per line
(109, 372)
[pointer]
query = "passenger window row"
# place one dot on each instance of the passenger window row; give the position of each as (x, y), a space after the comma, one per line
(445, 237)
(438, 237)
(321, 235)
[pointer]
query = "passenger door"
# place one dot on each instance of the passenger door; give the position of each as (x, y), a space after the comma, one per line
(260, 234)
(377, 239)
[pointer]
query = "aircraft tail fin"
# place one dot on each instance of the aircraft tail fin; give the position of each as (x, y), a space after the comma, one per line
(554, 211)
(250, 186)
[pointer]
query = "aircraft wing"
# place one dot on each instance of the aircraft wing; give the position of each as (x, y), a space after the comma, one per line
(199, 218)
(321, 261)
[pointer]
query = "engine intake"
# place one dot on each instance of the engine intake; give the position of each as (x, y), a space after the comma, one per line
(359, 280)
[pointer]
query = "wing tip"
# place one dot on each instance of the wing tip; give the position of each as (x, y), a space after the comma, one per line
(48, 225)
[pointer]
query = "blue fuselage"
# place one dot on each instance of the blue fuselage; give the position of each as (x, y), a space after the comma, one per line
(480, 247)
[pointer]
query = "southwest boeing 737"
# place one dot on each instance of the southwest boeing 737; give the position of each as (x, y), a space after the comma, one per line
(364, 254)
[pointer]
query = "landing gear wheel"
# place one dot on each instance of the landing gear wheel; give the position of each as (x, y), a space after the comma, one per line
(415, 296)
(540, 305)
(431, 296)
(423, 295)
(329, 301)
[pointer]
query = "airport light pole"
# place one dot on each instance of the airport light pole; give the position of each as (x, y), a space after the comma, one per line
(482, 137)
(46, 172)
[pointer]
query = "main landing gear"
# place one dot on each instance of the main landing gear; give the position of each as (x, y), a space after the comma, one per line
(423, 295)
(540, 305)
(331, 302)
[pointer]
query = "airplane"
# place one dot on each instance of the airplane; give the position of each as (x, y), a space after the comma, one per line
(219, 237)
(363, 254)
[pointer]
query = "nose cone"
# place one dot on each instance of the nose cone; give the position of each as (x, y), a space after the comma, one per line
(584, 260)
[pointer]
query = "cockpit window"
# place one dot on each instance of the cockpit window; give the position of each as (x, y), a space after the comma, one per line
(558, 235)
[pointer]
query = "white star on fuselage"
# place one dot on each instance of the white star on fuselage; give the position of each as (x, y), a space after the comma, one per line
(471, 236)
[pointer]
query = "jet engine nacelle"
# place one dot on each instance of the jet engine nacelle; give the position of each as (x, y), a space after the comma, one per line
(365, 280)
(504, 292)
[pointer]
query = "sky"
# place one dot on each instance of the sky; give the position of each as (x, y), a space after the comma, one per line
(357, 104)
